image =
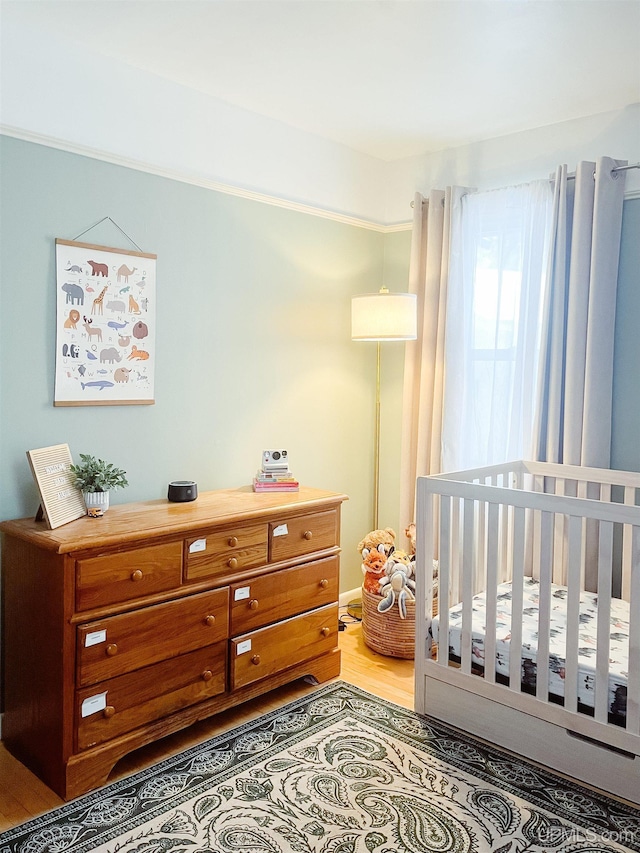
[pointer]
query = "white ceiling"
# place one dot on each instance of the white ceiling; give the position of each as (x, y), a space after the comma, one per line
(389, 78)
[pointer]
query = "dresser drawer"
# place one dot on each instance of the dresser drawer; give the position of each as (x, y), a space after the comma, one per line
(303, 535)
(274, 649)
(282, 594)
(118, 644)
(218, 553)
(127, 575)
(122, 704)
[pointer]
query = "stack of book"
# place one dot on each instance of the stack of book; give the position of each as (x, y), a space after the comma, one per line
(275, 476)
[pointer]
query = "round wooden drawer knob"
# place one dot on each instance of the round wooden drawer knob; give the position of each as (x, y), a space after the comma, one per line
(137, 575)
(210, 620)
(232, 562)
(324, 583)
(254, 604)
(325, 632)
(207, 675)
(255, 660)
(109, 711)
(233, 541)
(307, 535)
(111, 650)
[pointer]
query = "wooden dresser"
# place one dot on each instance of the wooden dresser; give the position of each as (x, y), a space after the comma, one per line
(123, 629)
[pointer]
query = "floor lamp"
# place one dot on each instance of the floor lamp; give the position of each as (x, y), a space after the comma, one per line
(381, 317)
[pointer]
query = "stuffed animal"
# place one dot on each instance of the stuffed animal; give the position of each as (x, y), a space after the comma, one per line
(398, 588)
(380, 540)
(373, 569)
(400, 556)
(398, 559)
(375, 547)
(410, 533)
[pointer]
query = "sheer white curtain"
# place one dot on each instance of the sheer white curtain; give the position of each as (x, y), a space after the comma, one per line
(574, 422)
(499, 245)
(424, 358)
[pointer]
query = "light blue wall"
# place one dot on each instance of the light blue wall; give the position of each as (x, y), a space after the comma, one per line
(253, 338)
(253, 335)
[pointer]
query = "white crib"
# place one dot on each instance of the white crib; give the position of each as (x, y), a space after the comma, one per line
(544, 559)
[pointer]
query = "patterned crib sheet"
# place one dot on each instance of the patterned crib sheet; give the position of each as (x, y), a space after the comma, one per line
(618, 648)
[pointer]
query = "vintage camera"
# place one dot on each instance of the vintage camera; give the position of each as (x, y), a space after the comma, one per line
(275, 460)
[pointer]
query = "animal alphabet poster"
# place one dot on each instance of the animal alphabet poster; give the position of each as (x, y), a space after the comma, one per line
(105, 341)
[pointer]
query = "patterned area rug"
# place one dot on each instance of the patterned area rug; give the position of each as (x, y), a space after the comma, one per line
(338, 771)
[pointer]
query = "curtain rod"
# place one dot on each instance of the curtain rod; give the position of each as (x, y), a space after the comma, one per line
(624, 168)
(572, 176)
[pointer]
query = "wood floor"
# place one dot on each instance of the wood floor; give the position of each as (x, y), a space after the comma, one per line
(23, 796)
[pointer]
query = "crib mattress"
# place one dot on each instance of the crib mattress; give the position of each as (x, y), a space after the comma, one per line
(618, 649)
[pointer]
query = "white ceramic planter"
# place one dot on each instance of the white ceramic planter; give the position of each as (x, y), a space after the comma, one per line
(97, 500)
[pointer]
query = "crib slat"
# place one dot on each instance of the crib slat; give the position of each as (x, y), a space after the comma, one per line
(479, 581)
(425, 544)
(468, 561)
(432, 521)
(633, 683)
(454, 578)
(603, 629)
(444, 580)
(582, 493)
(515, 643)
(493, 516)
(575, 555)
(504, 574)
(546, 556)
(627, 546)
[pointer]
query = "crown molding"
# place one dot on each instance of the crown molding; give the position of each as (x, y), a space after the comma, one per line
(399, 226)
(195, 180)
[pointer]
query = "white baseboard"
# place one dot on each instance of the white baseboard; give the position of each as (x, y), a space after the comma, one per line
(350, 595)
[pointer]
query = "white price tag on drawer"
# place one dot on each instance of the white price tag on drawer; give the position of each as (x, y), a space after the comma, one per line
(281, 530)
(198, 545)
(94, 638)
(93, 704)
(242, 593)
(243, 647)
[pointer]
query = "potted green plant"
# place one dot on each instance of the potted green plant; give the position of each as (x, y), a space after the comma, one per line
(95, 478)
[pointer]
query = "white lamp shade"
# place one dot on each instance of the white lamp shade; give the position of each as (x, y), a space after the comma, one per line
(384, 316)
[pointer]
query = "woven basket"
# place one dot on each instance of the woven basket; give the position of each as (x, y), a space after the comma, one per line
(387, 633)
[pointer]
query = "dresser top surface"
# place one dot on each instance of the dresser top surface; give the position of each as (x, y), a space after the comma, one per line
(126, 523)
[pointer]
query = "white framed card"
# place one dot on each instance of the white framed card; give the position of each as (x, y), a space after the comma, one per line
(60, 500)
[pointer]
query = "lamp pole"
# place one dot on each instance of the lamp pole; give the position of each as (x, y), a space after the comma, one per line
(376, 459)
(382, 317)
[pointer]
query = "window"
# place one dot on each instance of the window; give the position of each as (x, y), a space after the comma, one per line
(499, 244)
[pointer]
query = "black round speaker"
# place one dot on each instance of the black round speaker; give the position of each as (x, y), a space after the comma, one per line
(181, 491)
